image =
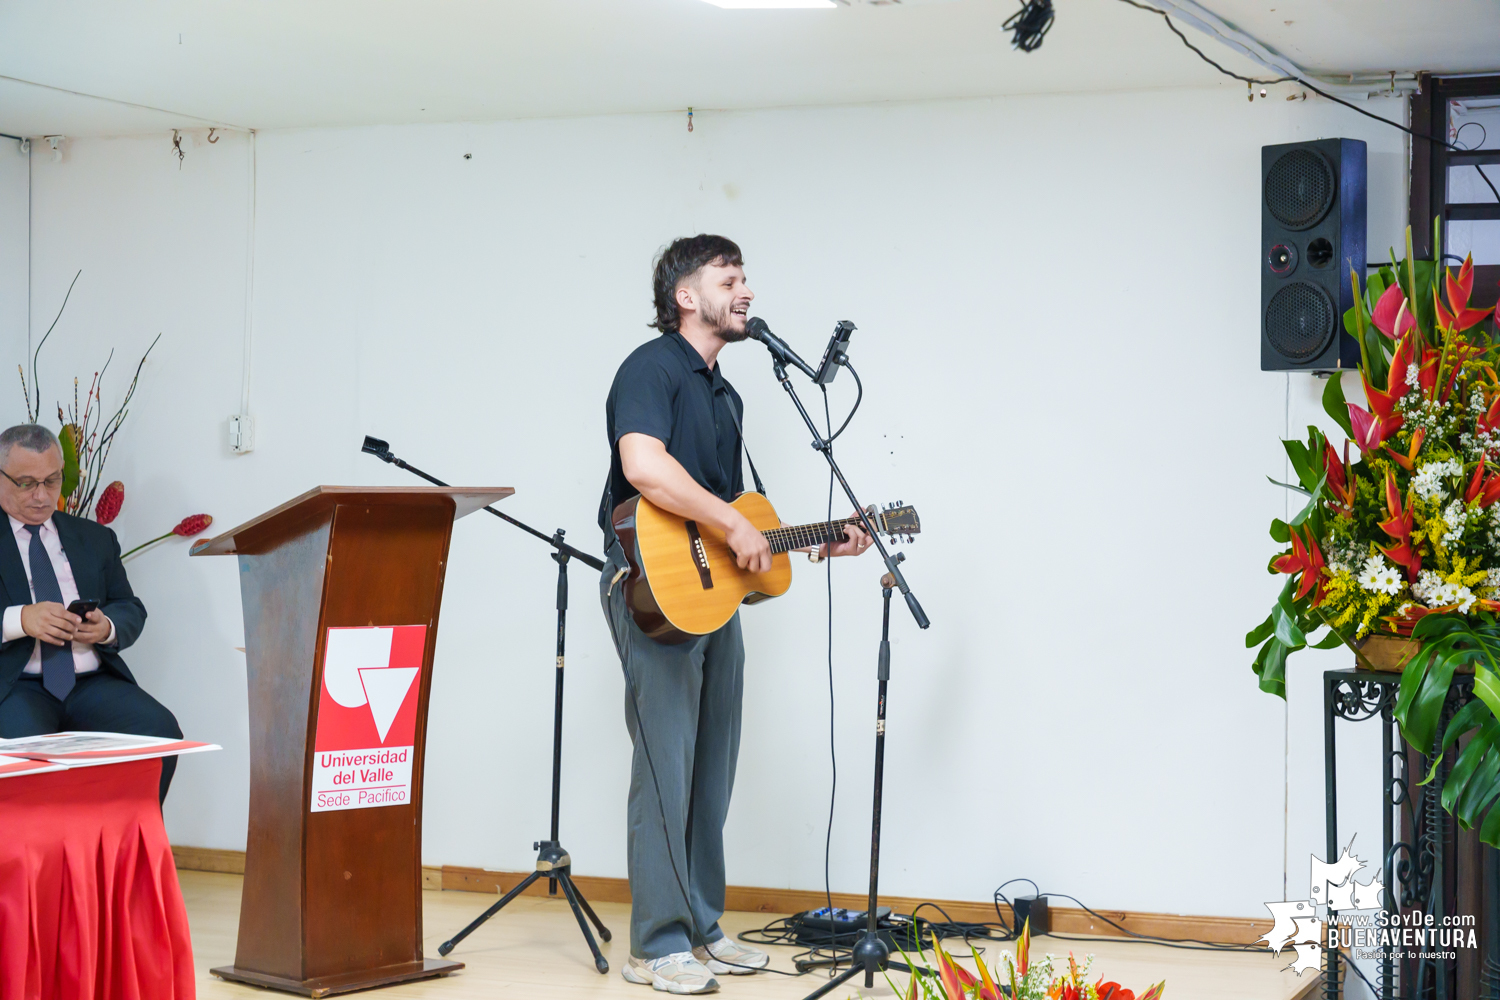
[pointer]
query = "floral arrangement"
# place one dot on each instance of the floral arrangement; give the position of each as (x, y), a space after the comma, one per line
(87, 437)
(85, 434)
(1028, 980)
(1400, 532)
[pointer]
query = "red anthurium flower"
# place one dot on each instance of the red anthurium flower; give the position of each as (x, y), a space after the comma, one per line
(1399, 527)
(1391, 316)
(1112, 991)
(1305, 558)
(1409, 460)
(1458, 316)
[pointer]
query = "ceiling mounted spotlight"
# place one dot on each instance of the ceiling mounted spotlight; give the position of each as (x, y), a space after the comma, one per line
(1030, 25)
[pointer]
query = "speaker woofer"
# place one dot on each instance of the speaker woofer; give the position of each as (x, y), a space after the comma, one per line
(1300, 321)
(1300, 189)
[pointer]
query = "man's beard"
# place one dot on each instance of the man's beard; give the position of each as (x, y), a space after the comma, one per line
(718, 322)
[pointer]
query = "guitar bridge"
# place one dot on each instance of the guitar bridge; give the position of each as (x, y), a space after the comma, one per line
(700, 555)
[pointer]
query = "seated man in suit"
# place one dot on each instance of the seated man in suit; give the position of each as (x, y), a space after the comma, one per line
(59, 671)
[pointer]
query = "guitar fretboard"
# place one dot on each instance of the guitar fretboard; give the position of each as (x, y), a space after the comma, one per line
(800, 535)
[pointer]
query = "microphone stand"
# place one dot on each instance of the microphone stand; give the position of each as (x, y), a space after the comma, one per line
(872, 953)
(552, 861)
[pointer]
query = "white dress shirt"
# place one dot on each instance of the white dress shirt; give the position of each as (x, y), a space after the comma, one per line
(85, 660)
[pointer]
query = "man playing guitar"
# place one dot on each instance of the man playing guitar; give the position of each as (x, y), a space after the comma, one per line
(673, 422)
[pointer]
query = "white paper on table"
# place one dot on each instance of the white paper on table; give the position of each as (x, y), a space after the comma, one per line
(101, 748)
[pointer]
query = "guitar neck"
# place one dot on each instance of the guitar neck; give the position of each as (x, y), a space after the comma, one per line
(800, 535)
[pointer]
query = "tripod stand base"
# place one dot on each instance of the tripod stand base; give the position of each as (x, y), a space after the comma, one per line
(552, 863)
(871, 955)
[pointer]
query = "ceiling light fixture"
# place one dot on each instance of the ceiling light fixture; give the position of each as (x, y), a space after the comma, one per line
(770, 4)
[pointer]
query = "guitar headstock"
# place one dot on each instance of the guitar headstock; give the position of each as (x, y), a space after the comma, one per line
(896, 519)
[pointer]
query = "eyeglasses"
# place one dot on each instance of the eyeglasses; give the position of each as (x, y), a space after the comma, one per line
(28, 485)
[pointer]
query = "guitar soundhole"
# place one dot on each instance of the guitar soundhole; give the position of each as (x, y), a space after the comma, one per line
(699, 555)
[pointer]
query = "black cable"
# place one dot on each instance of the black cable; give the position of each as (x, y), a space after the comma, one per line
(1315, 90)
(1484, 133)
(1192, 944)
(857, 400)
(1201, 54)
(833, 757)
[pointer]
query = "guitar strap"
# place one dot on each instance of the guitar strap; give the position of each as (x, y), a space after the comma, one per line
(759, 488)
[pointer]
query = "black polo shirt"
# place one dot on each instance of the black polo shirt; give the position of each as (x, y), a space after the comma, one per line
(666, 389)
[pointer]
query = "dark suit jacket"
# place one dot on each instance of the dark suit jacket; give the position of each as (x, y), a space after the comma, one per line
(94, 554)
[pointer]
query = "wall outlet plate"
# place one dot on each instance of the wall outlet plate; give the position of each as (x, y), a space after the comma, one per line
(241, 433)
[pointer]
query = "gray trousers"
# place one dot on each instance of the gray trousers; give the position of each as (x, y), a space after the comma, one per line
(688, 697)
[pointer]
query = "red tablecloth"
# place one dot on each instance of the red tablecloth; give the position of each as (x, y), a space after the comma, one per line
(90, 906)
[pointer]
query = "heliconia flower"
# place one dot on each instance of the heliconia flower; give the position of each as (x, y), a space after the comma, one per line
(1481, 490)
(1409, 460)
(1156, 992)
(1391, 315)
(1307, 559)
(1023, 949)
(107, 507)
(1399, 527)
(1476, 482)
(193, 524)
(1340, 476)
(1400, 361)
(1370, 431)
(1491, 418)
(988, 990)
(953, 977)
(1458, 316)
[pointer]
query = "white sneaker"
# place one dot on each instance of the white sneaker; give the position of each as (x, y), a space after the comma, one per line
(679, 972)
(729, 957)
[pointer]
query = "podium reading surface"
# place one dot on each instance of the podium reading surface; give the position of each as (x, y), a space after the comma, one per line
(341, 589)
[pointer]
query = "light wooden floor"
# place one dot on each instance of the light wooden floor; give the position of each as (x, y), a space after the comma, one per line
(533, 949)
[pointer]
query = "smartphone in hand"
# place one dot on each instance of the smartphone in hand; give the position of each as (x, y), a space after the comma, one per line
(82, 608)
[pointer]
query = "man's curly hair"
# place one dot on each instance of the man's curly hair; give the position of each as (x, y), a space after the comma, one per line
(683, 259)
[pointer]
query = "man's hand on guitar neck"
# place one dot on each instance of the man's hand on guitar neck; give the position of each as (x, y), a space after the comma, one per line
(662, 480)
(854, 544)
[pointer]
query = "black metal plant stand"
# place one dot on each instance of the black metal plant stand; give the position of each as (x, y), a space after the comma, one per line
(552, 861)
(1423, 865)
(872, 953)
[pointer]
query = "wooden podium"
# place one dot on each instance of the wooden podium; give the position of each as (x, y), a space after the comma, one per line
(332, 898)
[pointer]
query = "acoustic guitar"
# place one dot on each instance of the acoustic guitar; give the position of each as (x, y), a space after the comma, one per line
(683, 580)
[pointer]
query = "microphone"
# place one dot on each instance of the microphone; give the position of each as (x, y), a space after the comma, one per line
(758, 330)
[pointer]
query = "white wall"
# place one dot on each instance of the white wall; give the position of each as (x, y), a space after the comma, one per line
(1057, 302)
(13, 244)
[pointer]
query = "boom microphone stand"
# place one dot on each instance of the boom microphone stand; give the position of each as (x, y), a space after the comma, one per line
(871, 953)
(552, 861)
